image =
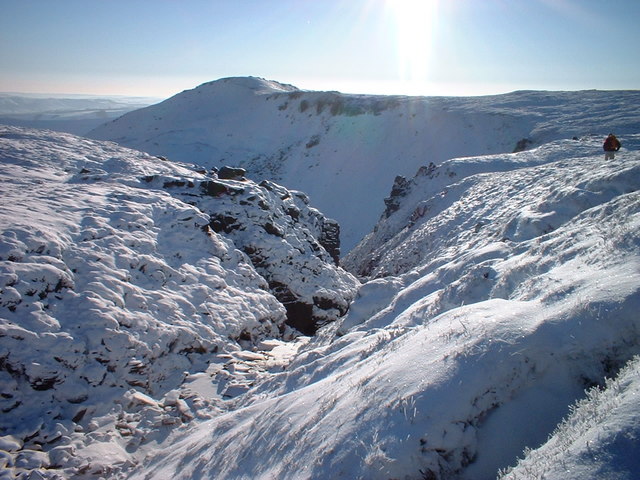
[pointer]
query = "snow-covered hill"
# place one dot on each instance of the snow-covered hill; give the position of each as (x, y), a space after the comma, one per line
(123, 275)
(320, 142)
(464, 197)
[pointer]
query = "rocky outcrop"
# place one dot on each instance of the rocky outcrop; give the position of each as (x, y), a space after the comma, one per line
(232, 173)
(330, 238)
(122, 275)
(293, 246)
(398, 190)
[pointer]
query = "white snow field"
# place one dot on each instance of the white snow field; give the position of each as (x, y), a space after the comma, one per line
(354, 145)
(148, 308)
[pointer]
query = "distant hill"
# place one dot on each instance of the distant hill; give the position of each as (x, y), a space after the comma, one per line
(344, 151)
(76, 114)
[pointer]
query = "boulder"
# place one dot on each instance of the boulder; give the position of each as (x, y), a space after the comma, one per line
(232, 173)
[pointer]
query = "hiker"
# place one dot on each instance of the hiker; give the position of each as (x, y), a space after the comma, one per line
(611, 145)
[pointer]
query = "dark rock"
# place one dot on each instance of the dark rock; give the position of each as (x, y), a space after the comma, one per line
(216, 189)
(293, 212)
(330, 239)
(177, 183)
(427, 170)
(41, 384)
(299, 313)
(522, 145)
(313, 141)
(300, 317)
(330, 304)
(256, 257)
(79, 415)
(293, 247)
(399, 190)
(271, 229)
(224, 223)
(232, 173)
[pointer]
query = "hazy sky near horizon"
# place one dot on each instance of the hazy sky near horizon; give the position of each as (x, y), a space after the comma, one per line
(414, 47)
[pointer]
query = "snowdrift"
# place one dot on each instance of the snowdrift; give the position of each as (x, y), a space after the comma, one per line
(343, 150)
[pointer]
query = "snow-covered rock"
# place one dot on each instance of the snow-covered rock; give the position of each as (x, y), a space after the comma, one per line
(122, 274)
(343, 150)
(292, 245)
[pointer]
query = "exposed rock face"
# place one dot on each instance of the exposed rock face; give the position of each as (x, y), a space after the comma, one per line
(231, 173)
(522, 145)
(330, 238)
(399, 189)
(292, 245)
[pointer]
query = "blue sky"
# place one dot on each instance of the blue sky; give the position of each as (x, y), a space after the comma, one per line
(415, 47)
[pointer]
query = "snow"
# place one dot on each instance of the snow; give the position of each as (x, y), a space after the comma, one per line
(114, 278)
(470, 361)
(147, 332)
(319, 142)
(598, 439)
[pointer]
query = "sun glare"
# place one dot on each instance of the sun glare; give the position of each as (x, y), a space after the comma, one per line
(413, 21)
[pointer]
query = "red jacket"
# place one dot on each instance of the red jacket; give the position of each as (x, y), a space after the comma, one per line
(611, 144)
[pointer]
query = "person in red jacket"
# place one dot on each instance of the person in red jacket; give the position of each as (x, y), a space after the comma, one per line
(611, 145)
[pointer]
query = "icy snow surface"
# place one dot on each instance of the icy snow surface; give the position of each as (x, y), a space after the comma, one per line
(599, 439)
(353, 146)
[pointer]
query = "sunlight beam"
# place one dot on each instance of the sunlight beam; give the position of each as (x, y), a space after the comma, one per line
(414, 21)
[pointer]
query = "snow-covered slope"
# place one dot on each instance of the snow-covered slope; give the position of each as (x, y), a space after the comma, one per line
(464, 197)
(521, 290)
(320, 142)
(599, 439)
(144, 310)
(122, 276)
